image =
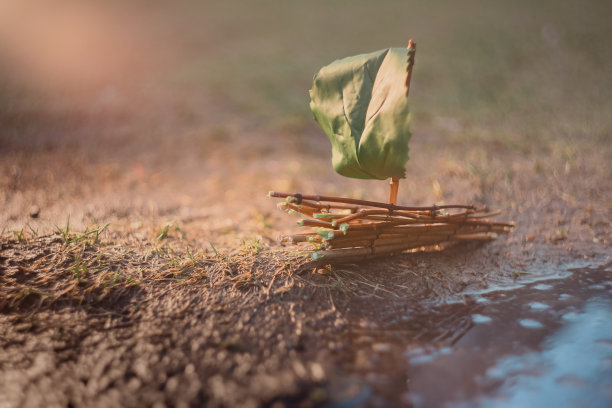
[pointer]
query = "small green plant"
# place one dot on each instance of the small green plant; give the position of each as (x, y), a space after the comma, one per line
(65, 232)
(167, 228)
(164, 232)
(252, 245)
(116, 277)
(80, 270)
(33, 231)
(19, 235)
(98, 231)
(191, 257)
(89, 236)
(214, 250)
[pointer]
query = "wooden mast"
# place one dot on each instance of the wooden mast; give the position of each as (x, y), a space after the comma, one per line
(394, 183)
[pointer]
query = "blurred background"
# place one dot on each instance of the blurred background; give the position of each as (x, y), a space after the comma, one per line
(117, 110)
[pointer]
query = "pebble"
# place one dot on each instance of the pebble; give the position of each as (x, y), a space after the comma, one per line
(34, 211)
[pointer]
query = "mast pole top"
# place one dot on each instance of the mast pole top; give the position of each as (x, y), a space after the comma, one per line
(411, 52)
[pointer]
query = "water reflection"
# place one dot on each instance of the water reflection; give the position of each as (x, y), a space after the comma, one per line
(573, 369)
(530, 324)
(539, 344)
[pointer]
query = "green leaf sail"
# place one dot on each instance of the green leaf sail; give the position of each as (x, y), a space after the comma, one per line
(360, 103)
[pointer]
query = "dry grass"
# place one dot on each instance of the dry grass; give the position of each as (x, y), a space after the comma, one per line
(81, 269)
(105, 272)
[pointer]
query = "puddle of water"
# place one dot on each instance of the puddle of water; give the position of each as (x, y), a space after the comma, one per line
(572, 366)
(478, 318)
(540, 344)
(530, 324)
(538, 306)
(542, 286)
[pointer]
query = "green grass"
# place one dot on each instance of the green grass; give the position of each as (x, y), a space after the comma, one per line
(252, 245)
(167, 229)
(90, 236)
(80, 270)
(525, 75)
(518, 65)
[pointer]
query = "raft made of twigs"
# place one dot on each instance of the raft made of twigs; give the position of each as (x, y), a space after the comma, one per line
(346, 229)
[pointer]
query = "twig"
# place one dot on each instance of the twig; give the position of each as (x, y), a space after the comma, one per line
(366, 203)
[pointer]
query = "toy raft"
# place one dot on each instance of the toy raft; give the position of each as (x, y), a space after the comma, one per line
(361, 104)
(345, 229)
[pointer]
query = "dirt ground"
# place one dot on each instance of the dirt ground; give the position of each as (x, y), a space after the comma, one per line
(138, 258)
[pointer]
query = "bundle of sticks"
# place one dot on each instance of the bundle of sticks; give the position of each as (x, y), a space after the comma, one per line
(346, 229)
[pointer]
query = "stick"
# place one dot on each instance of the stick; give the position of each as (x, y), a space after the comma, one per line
(393, 187)
(352, 253)
(411, 52)
(328, 207)
(394, 183)
(367, 203)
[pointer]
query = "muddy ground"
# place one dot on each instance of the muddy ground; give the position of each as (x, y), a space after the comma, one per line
(138, 259)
